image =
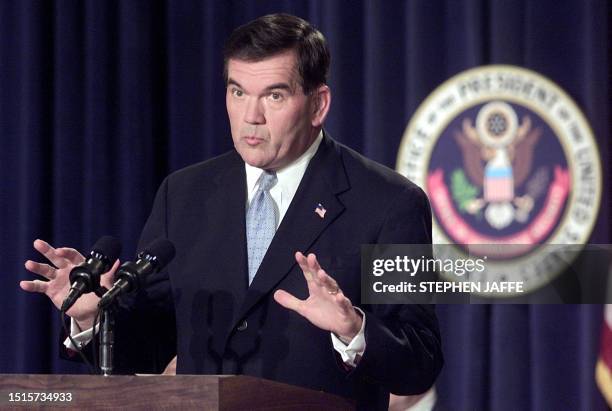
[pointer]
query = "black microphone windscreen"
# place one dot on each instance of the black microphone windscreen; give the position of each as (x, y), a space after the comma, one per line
(162, 249)
(108, 246)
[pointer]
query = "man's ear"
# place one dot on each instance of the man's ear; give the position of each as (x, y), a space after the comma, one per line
(321, 102)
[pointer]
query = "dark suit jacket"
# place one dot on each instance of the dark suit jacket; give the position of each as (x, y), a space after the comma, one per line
(225, 327)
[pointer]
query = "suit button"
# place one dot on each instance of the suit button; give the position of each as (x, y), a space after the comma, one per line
(242, 326)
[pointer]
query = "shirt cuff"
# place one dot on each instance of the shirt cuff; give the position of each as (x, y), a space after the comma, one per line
(352, 352)
(81, 338)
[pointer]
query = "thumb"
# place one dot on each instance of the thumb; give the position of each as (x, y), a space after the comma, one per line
(108, 278)
(287, 300)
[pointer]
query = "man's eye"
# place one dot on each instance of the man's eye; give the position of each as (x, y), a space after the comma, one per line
(275, 96)
(237, 93)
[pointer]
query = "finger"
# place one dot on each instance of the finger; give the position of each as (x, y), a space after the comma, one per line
(50, 253)
(300, 258)
(313, 263)
(70, 254)
(328, 282)
(45, 270)
(303, 263)
(344, 303)
(288, 301)
(35, 286)
(108, 278)
(314, 267)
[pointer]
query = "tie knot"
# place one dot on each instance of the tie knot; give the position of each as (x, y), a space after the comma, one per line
(267, 180)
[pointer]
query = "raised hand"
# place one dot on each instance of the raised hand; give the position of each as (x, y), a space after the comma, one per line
(58, 282)
(326, 306)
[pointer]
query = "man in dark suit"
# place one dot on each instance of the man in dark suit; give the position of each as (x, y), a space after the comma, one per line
(240, 296)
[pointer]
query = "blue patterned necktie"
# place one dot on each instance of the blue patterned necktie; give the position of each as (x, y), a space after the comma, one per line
(260, 222)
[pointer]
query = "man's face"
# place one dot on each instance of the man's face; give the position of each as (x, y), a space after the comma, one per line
(273, 122)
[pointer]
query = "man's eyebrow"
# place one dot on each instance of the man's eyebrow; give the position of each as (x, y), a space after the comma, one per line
(234, 82)
(282, 86)
(275, 86)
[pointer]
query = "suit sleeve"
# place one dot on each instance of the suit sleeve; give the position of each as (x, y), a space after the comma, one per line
(403, 349)
(145, 322)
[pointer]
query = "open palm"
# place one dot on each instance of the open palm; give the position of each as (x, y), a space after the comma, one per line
(326, 306)
(57, 284)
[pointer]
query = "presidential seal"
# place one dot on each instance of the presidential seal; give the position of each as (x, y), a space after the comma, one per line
(511, 168)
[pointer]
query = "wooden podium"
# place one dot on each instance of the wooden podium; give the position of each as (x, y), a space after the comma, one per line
(157, 392)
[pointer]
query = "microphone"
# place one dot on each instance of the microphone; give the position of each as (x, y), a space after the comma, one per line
(85, 277)
(131, 275)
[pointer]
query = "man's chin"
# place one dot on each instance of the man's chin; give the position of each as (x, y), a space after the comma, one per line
(256, 157)
(255, 161)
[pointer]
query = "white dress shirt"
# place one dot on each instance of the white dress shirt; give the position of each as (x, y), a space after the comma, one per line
(288, 180)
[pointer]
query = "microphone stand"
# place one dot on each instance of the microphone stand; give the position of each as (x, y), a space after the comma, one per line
(107, 341)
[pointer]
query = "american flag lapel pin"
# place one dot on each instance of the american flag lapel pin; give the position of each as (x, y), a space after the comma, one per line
(320, 210)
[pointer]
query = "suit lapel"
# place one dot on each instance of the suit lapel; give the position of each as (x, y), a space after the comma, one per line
(230, 200)
(301, 226)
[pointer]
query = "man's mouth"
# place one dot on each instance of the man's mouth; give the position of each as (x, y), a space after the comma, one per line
(253, 140)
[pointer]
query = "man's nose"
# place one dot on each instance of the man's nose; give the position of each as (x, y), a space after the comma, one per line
(254, 112)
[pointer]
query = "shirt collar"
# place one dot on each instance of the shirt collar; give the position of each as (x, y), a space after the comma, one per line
(289, 177)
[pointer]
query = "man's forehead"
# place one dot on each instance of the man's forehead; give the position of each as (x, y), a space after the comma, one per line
(277, 68)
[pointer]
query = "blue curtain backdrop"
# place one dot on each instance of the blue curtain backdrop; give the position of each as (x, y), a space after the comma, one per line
(100, 99)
